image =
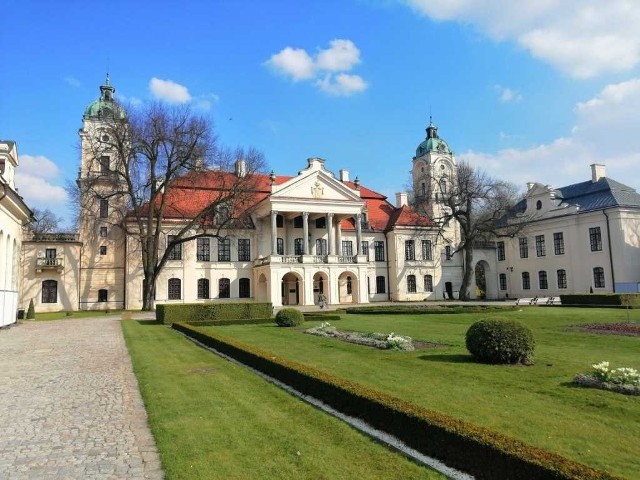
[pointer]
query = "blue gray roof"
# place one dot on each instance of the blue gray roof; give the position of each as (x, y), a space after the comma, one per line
(605, 193)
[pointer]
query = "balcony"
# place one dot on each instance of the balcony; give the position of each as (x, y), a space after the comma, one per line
(49, 264)
(311, 259)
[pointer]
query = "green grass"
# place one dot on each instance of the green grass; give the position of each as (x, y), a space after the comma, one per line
(536, 404)
(77, 314)
(215, 420)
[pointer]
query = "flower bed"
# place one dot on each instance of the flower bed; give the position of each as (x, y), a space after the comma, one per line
(629, 329)
(621, 380)
(384, 341)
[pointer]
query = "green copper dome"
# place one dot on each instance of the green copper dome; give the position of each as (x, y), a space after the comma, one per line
(105, 107)
(432, 143)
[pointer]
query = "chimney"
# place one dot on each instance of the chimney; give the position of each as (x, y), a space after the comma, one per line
(344, 175)
(597, 172)
(401, 199)
(241, 167)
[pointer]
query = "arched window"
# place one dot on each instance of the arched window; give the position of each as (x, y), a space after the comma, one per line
(428, 283)
(411, 283)
(244, 288)
(203, 288)
(224, 288)
(598, 277)
(103, 295)
(349, 286)
(49, 291)
(174, 287)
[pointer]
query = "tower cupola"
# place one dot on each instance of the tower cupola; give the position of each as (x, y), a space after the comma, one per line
(106, 106)
(432, 143)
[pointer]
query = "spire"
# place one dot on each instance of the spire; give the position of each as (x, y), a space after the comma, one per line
(432, 129)
(107, 91)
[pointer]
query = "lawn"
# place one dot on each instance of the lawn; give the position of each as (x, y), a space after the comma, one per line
(75, 314)
(213, 419)
(537, 404)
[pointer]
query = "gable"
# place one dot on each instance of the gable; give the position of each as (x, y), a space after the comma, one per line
(315, 186)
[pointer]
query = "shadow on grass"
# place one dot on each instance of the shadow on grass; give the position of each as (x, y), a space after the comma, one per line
(148, 322)
(447, 358)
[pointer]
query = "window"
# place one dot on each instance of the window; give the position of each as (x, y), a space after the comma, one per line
(104, 164)
(427, 250)
(443, 185)
(428, 283)
(280, 246)
(524, 247)
(244, 249)
(503, 281)
(298, 246)
(347, 248)
(538, 204)
(103, 249)
(176, 251)
(104, 208)
(103, 232)
(49, 291)
(595, 238)
(423, 188)
(103, 295)
(297, 222)
(203, 251)
(447, 252)
(224, 250)
(364, 248)
(321, 246)
(411, 283)
(380, 284)
(174, 287)
(321, 222)
(378, 249)
(279, 221)
(501, 251)
(409, 250)
(558, 243)
(244, 288)
(203, 288)
(526, 281)
(598, 277)
(562, 278)
(542, 280)
(540, 249)
(349, 286)
(224, 288)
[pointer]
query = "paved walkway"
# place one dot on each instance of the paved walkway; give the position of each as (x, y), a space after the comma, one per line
(70, 407)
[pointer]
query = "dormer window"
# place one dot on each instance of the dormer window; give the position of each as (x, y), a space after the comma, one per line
(538, 204)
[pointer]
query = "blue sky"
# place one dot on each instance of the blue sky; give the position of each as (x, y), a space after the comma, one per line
(529, 91)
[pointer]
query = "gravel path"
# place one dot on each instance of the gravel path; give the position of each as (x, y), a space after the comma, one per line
(70, 407)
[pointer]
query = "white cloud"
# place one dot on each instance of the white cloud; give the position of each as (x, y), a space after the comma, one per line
(169, 91)
(33, 179)
(507, 95)
(605, 132)
(206, 101)
(326, 68)
(582, 38)
(72, 81)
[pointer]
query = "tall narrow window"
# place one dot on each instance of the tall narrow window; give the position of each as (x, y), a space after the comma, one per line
(104, 208)
(540, 248)
(501, 255)
(224, 288)
(103, 295)
(347, 248)
(203, 250)
(447, 252)
(224, 250)
(174, 288)
(562, 278)
(244, 288)
(103, 249)
(524, 247)
(49, 291)
(279, 221)
(103, 232)
(428, 283)
(203, 288)
(364, 248)
(526, 281)
(427, 250)
(558, 243)
(176, 250)
(280, 246)
(595, 239)
(409, 250)
(349, 286)
(503, 281)
(542, 280)
(50, 257)
(104, 164)
(598, 277)
(380, 284)
(411, 283)
(298, 246)
(321, 246)
(378, 248)
(244, 249)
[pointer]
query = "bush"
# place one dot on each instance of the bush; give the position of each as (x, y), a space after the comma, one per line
(500, 341)
(289, 317)
(194, 312)
(31, 311)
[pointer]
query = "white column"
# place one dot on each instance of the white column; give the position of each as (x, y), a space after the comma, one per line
(305, 232)
(330, 234)
(274, 232)
(358, 233)
(338, 238)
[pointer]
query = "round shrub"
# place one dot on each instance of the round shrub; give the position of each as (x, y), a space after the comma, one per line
(289, 317)
(500, 341)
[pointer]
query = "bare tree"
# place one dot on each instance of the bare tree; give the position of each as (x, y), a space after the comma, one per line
(44, 221)
(480, 205)
(158, 166)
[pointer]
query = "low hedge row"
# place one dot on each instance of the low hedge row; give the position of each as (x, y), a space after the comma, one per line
(479, 451)
(192, 312)
(425, 310)
(321, 318)
(602, 299)
(224, 323)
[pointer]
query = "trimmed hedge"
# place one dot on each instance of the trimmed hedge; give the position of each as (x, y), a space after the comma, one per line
(500, 341)
(602, 299)
(310, 317)
(289, 317)
(460, 444)
(225, 323)
(426, 310)
(194, 312)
